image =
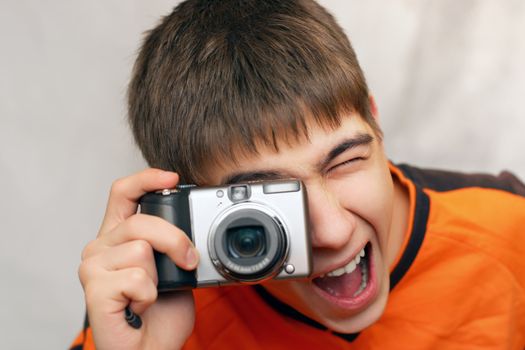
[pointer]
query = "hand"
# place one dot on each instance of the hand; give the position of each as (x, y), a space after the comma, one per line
(118, 269)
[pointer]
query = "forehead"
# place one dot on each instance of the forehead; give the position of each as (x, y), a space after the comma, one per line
(291, 156)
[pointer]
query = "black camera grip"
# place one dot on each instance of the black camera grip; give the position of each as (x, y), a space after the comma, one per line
(174, 208)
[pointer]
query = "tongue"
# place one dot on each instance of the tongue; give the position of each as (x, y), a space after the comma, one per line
(343, 286)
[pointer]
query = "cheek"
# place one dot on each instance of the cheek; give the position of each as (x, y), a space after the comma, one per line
(369, 195)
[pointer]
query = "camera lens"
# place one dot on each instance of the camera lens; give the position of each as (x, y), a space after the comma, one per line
(246, 241)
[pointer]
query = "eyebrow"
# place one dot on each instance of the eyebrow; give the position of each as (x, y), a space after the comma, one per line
(345, 145)
(265, 175)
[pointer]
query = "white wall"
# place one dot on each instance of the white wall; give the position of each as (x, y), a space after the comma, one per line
(448, 78)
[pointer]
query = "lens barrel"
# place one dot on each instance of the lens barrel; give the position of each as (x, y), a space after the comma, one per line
(248, 243)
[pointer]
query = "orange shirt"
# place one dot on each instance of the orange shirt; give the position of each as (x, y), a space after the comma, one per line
(458, 283)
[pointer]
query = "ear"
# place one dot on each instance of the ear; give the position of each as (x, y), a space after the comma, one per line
(373, 107)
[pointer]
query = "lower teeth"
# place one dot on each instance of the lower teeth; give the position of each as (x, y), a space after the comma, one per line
(364, 276)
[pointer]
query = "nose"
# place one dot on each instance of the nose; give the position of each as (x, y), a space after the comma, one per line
(331, 225)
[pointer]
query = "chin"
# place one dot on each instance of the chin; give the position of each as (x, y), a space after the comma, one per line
(356, 323)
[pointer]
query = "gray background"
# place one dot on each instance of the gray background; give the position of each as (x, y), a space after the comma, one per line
(448, 76)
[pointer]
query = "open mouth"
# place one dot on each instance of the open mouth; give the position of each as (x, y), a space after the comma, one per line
(350, 284)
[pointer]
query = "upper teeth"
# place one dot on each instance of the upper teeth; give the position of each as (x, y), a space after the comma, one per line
(348, 268)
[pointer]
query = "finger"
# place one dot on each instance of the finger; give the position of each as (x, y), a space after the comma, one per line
(138, 288)
(138, 253)
(160, 234)
(126, 192)
(112, 291)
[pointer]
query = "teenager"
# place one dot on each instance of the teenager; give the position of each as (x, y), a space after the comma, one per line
(227, 92)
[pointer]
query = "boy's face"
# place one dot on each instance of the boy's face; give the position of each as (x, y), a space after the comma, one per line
(350, 202)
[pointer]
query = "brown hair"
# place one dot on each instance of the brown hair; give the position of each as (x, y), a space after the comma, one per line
(215, 78)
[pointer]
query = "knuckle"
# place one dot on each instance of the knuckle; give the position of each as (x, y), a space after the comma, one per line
(88, 250)
(85, 272)
(118, 186)
(180, 241)
(138, 276)
(142, 250)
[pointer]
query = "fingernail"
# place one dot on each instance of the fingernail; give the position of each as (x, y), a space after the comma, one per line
(192, 257)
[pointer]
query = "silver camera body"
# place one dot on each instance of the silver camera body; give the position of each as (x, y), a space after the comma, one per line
(245, 233)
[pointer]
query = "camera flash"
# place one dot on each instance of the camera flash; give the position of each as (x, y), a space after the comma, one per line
(239, 193)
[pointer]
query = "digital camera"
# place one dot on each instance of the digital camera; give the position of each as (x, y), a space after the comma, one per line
(245, 233)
